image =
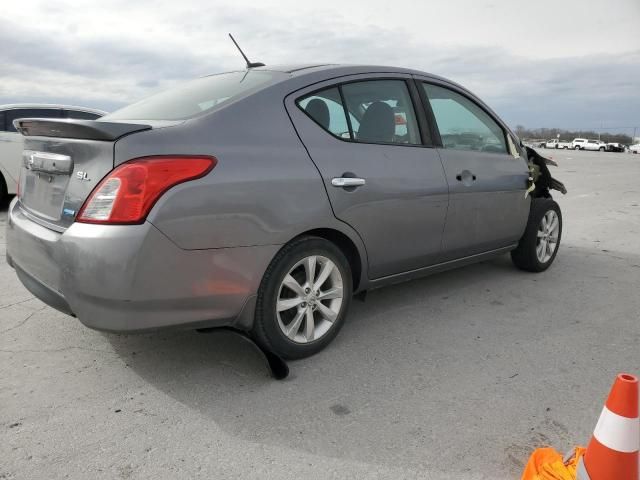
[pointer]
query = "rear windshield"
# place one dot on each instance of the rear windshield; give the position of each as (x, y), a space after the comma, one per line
(197, 96)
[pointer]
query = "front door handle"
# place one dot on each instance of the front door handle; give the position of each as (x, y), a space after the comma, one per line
(342, 182)
(466, 177)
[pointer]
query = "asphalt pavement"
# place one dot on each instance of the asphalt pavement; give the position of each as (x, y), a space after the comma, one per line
(455, 376)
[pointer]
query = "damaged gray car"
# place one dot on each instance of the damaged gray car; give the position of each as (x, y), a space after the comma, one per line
(264, 199)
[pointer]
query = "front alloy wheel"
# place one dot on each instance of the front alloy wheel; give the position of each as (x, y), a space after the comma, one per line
(547, 241)
(539, 244)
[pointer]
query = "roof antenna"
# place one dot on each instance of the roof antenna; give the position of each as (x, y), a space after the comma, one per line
(249, 64)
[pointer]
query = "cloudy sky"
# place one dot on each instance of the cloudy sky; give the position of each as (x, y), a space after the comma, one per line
(553, 63)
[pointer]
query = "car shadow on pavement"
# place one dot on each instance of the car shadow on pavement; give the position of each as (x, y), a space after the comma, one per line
(439, 371)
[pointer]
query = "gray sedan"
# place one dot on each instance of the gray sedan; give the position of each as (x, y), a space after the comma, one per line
(264, 199)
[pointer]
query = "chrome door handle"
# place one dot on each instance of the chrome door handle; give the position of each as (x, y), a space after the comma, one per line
(347, 182)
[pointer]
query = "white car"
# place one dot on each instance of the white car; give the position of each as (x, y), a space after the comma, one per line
(555, 143)
(588, 144)
(11, 142)
(635, 148)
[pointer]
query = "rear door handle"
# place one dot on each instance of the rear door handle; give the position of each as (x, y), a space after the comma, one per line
(342, 182)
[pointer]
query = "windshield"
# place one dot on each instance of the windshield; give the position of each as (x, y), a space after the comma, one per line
(192, 98)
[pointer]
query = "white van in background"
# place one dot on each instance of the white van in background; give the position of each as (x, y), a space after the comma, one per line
(11, 142)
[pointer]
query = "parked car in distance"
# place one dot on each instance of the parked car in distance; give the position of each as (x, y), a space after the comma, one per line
(588, 144)
(11, 142)
(615, 147)
(556, 143)
(578, 143)
(341, 179)
(635, 148)
(595, 145)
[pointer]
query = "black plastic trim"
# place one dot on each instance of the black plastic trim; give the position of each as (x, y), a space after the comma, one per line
(431, 118)
(47, 295)
(82, 129)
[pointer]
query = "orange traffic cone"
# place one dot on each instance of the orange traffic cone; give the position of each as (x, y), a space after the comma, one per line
(612, 453)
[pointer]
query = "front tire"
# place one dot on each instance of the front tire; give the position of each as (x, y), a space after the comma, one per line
(303, 298)
(540, 242)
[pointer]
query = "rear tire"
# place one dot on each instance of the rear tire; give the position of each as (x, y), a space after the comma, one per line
(602, 149)
(296, 317)
(540, 242)
(4, 195)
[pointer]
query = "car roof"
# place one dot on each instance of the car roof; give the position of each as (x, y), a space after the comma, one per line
(14, 106)
(316, 72)
(342, 69)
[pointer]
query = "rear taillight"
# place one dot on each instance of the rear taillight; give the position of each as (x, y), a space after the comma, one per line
(128, 193)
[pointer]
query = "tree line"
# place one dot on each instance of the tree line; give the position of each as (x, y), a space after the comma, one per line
(569, 135)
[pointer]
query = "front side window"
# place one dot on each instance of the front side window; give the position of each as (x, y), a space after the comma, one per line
(30, 113)
(2, 125)
(383, 112)
(463, 125)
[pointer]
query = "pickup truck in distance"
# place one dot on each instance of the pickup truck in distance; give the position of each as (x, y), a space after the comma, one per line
(588, 144)
(555, 143)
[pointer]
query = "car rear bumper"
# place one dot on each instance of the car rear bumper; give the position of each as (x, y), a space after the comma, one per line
(127, 278)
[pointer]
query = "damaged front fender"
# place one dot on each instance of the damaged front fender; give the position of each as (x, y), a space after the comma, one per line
(540, 179)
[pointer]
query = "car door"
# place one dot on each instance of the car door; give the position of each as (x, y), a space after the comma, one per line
(11, 142)
(382, 176)
(487, 174)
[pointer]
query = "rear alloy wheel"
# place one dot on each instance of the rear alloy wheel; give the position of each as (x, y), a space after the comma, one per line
(303, 298)
(539, 244)
(602, 149)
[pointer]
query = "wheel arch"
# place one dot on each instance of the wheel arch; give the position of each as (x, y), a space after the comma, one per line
(348, 247)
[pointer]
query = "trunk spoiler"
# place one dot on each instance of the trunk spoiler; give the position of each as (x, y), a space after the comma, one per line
(83, 129)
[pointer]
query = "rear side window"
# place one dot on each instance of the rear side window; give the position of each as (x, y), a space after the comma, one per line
(30, 113)
(2, 125)
(79, 115)
(326, 109)
(463, 125)
(383, 111)
(379, 111)
(197, 96)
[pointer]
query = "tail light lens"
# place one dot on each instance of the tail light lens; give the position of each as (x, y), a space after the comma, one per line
(128, 193)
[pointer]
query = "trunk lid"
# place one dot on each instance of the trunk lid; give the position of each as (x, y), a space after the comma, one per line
(62, 162)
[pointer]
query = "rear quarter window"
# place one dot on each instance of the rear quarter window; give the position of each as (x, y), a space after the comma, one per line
(326, 109)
